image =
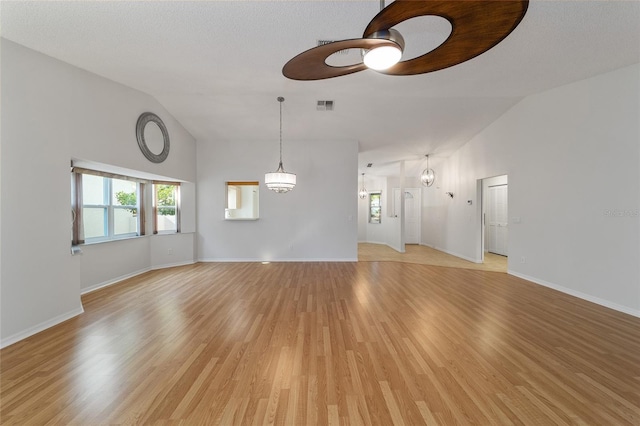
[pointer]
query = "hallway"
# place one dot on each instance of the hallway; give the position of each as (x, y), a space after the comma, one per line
(368, 252)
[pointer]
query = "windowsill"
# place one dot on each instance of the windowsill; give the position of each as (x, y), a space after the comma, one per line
(77, 249)
(166, 233)
(131, 237)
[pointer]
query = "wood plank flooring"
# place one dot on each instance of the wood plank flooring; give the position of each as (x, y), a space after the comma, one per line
(368, 252)
(363, 343)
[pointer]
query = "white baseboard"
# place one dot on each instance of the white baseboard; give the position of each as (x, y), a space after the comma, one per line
(172, 265)
(131, 275)
(40, 327)
(578, 294)
(238, 260)
(457, 255)
(113, 281)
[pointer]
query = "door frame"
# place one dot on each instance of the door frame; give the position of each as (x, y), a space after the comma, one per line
(481, 213)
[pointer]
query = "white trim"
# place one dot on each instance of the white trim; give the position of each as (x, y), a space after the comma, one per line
(172, 265)
(131, 275)
(457, 255)
(40, 327)
(235, 260)
(112, 281)
(383, 244)
(375, 242)
(578, 294)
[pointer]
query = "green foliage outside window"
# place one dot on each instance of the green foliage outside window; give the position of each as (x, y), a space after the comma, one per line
(127, 199)
(166, 200)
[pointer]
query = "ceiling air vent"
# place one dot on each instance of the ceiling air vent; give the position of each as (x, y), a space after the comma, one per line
(324, 106)
(339, 52)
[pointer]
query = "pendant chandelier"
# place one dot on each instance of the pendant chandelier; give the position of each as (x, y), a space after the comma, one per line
(363, 192)
(280, 181)
(428, 176)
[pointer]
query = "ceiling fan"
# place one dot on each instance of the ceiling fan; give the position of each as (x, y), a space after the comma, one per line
(476, 26)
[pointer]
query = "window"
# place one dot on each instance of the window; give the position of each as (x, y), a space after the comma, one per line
(109, 208)
(166, 211)
(374, 207)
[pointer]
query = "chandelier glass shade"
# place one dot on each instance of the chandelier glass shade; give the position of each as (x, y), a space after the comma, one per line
(280, 181)
(428, 176)
(362, 194)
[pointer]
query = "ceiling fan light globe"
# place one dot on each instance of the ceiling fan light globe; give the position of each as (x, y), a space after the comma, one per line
(382, 58)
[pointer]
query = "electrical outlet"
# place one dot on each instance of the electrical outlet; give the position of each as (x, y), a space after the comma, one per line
(523, 259)
(169, 251)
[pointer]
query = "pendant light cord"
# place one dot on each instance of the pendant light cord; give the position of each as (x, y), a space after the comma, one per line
(280, 99)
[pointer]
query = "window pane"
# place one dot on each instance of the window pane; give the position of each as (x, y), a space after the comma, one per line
(94, 220)
(124, 192)
(125, 221)
(166, 219)
(166, 195)
(93, 190)
(374, 208)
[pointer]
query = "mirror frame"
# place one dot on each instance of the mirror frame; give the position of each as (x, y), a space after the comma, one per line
(143, 120)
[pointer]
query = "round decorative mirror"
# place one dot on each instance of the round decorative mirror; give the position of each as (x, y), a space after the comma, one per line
(153, 138)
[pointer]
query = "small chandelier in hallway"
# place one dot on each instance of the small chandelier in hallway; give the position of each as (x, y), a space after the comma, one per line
(363, 192)
(428, 176)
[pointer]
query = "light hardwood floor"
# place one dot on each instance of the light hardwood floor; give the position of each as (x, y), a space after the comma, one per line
(327, 343)
(414, 253)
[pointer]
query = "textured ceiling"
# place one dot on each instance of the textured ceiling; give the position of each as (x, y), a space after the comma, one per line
(216, 66)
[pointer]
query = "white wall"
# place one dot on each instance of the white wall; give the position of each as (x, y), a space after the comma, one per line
(53, 112)
(572, 155)
(317, 220)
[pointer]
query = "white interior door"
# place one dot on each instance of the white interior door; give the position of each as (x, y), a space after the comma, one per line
(497, 220)
(412, 206)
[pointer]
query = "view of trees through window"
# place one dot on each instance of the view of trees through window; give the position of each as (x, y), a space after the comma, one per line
(374, 208)
(166, 208)
(166, 200)
(110, 208)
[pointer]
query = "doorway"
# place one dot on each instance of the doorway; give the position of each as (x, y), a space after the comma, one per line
(412, 206)
(497, 220)
(495, 215)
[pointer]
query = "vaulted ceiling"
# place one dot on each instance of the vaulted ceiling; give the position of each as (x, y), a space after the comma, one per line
(216, 66)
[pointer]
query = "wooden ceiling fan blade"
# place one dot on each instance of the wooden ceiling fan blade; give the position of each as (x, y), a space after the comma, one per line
(476, 26)
(312, 65)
